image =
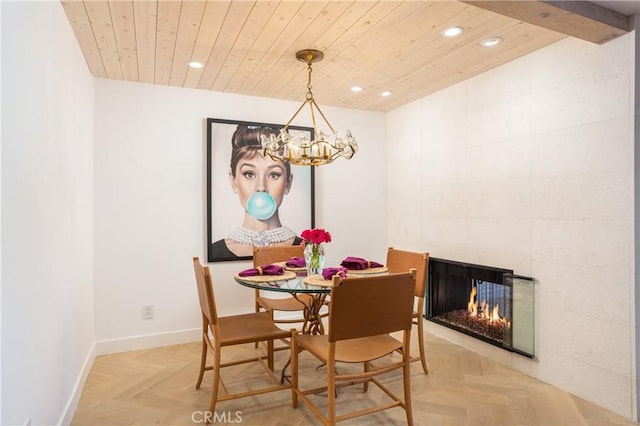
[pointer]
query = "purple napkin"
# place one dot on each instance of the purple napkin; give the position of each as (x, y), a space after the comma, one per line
(263, 270)
(359, 263)
(328, 273)
(296, 262)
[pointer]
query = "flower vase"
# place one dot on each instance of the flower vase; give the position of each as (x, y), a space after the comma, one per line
(314, 258)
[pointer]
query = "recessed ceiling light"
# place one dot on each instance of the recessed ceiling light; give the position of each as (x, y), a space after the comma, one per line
(491, 41)
(356, 89)
(453, 31)
(385, 93)
(195, 64)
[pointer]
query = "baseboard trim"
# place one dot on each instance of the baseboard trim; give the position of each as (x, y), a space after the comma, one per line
(72, 403)
(147, 341)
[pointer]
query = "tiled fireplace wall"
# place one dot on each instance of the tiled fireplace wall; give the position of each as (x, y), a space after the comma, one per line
(530, 167)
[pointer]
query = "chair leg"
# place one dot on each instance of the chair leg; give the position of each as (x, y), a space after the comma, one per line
(406, 379)
(365, 386)
(203, 362)
(423, 357)
(216, 380)
(269, 354)
(331, 391)
(294, 369)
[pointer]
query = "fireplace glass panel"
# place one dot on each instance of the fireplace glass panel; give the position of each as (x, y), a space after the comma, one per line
(523, 324)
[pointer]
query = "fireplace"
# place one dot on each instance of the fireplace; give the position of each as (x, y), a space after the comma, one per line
(488, 303)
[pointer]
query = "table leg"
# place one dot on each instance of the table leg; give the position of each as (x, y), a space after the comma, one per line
(312, 322)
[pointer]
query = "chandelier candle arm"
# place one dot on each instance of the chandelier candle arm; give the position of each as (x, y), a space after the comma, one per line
(297, 149)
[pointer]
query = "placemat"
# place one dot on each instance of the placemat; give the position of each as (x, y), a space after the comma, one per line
(378, 270)
(317, 280)
(265, 278)
(291, 268)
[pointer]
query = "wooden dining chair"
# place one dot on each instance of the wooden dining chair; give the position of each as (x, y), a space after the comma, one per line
(362, 313)
(272, 254)
(219, 332)
(401, 261)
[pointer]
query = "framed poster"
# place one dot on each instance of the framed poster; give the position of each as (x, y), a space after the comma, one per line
(253, 199)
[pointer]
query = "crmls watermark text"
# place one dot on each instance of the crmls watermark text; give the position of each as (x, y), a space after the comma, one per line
(216, 417)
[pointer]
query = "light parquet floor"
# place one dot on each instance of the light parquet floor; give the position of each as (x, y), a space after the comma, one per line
(157, 386)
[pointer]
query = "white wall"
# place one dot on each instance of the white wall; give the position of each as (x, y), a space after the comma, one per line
(47, 211)
(150, 204)
(530, 167)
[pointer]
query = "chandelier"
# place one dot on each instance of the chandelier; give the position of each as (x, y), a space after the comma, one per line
(297, 148)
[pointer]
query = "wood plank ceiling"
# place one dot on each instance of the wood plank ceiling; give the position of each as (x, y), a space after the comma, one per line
(248, 47)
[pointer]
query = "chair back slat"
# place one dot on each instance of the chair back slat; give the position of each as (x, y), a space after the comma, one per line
(205, 291)
(402, 261)
(271, 254)
(371, 305)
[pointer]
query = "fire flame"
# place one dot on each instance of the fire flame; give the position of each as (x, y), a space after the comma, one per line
(472, 306)
(486, 313)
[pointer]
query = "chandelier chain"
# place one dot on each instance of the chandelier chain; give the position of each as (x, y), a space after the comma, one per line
(309, 93)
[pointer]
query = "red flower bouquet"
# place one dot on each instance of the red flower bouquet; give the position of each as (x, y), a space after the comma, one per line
(315, 236)
(312, 240)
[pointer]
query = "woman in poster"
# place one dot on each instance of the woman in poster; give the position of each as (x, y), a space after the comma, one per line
(261, 184)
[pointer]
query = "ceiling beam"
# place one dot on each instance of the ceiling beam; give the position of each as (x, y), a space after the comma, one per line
(580, 19)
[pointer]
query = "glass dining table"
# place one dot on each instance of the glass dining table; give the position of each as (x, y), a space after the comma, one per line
(296, 283)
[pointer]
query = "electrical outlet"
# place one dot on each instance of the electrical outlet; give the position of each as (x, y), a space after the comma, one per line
(147, 311)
